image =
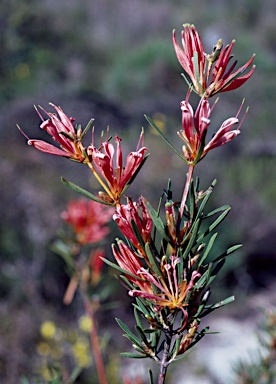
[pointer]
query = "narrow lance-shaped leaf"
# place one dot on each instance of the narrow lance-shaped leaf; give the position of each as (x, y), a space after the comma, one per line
(137, 318)
(83, 192)
(154, 126)
(215, 271)
(204, 279)
(214, 224)
(192, 234)
(151, 377)
(134, 355)
(229, 251)
(175, 348)
(203, 303)
(217, 210)
(152, 259)
(142, 335)
(130, 335)
(157, 221)
(207, 249)
(218, 305)
(137, 233)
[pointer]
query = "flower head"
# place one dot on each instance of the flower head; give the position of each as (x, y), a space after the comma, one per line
(60, 127)
(128, 213)
(209, 73)
(195, 126)
(110, 167)
(88, 219)
(166, 291)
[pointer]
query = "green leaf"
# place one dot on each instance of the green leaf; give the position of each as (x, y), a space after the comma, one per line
(175, 348)
(228, 252)
(137, 318)
(218, 305)
(157, 221)
(152, 260)
(201, 148)
(214, 224)
(128, 334)
(83, 192)
(154, 126)
(133, 355)
(203, 303)
(89, 124)
(151, 376)
(204, 279)
(215, 271)
(217, 210)
(75, 374)
(142, 335)
(137, 233)
(193, 232)
(63, 250)
(208, 249)
(185, 354)
(206, 197)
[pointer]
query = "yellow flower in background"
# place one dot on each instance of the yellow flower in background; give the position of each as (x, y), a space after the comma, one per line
(48, 329)
(160, 120)
(85, 323)
(82, 354)
(43, 349)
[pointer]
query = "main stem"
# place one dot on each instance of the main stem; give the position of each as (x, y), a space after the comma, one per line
(164, 362)
(95, 343)
(186, 190)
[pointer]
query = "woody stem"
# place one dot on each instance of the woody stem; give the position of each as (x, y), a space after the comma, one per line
(164, 363)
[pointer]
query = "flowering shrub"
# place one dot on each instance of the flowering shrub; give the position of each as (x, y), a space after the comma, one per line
(166, 263)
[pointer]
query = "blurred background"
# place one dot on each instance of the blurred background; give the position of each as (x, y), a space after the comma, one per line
(114, 61)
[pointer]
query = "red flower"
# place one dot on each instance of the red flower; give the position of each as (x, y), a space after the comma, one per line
(195, 128)
(88, 219)
(131, 264)
(209, 74)
(166, 292)
(117, 177)
(127, 213)
(62, 130)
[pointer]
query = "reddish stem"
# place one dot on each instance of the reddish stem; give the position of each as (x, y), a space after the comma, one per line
(95, 344)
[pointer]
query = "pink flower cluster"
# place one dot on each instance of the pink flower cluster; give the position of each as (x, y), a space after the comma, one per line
(88, 219)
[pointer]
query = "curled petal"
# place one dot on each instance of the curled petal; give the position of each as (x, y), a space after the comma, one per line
(48, 148)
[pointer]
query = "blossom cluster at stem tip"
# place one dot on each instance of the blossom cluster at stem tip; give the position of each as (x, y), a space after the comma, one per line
(106, 167)
(62, 130)
(115, 176)
(195, 127)
(209, 73)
